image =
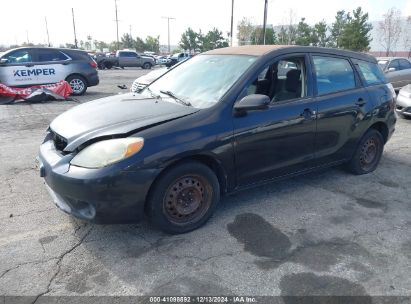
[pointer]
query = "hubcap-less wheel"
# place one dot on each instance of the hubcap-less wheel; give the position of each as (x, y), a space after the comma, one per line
(77, 85)
(187, 199)
(369, 152)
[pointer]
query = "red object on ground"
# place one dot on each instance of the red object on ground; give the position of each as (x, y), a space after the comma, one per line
(61, 88)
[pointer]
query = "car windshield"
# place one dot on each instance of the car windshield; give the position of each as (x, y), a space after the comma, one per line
(203, 80)
(382, 63)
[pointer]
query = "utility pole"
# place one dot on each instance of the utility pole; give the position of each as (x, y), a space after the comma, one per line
(130, 32)
(168, 27)
(232, 21)
(118, 43)
(27, 35)
(265, 20)
(74, 28)
(47, 30)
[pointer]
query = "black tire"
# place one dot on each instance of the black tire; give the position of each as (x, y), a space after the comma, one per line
(101, 65)
(147, 66)
(183, 198)
(108, 65)
(78, 84)
(368, 153)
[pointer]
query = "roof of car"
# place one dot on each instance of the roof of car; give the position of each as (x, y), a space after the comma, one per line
(390, 58)
(261, 50)
(254, 50)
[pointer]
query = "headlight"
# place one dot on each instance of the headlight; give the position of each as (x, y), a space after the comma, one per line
(107, 152)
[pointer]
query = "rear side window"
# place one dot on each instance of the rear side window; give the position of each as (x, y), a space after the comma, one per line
(51, 55)
(333, 74)
(405, 64)
(370, 72)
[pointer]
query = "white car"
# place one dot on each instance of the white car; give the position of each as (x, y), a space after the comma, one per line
(403, 104)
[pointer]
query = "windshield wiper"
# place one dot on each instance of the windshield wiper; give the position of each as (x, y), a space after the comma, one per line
(154, 95)
(176, 98)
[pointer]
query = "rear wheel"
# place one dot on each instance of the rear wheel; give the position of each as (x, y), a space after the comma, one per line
(147, 66)
(368, 153)
(184, 198)
(108, 65)
(78, 84)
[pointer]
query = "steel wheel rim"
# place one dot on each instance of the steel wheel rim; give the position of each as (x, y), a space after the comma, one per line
(77, 85)
(369, 153)
(187, 199)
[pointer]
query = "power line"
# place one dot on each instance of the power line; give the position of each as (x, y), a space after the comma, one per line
(168, 27)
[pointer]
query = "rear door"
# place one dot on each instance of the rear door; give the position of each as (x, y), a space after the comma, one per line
(51, 65)
(405, 72)
(342, 108)
(395, 75)
(17, 69)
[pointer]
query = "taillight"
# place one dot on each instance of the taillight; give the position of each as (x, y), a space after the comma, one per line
(93, 64)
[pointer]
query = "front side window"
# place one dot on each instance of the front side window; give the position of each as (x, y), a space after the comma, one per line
(203, 80)
(394, 65)
(19, 56)
(333, 74)
(371, 72)
(282, 80)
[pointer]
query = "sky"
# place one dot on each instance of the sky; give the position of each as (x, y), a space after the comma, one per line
(144, 17)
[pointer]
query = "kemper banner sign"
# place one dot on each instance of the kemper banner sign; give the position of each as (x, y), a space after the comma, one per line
(22, 75)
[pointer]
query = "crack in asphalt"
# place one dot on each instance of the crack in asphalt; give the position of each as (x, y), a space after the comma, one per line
(60, 259)
(26, 263)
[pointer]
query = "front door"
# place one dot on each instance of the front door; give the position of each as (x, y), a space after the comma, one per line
(16, 68)
(279, 140)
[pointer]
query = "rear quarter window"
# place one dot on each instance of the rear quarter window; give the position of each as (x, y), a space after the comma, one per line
(370, 72)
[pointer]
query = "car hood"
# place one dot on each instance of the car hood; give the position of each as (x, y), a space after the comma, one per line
(115, 115)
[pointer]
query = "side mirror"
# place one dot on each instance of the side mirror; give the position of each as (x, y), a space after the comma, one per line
(252, 102)
(4, 60)
(391, 70)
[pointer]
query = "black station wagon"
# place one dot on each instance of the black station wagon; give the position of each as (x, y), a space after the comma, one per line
(225, 120)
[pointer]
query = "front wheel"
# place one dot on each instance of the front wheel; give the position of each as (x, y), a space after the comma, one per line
(368, 153)
(184, 198)
(78, 84)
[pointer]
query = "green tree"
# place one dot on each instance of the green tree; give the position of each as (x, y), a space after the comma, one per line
(189, 40)
(282, 35)
(101, 45)
(356, 35)
(270, 36)
(127, 41)
(153, 44)
(337, 28)
(214, 39)
(139, 45)
(303, 34)
(245, 32)
(319, 34)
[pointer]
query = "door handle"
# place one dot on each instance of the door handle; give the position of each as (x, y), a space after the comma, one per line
(308, 114)
(360, 102)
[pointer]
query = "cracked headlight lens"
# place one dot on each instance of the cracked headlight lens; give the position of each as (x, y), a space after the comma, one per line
(107, 152)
